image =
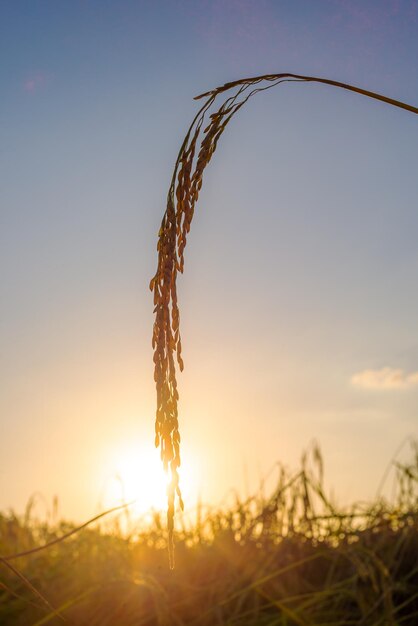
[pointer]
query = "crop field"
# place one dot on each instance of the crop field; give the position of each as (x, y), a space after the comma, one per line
(286, 558)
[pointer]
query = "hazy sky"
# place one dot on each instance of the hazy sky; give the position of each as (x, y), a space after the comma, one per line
(298, 304)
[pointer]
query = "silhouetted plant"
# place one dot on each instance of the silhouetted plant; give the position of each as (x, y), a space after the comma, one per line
(195, 154)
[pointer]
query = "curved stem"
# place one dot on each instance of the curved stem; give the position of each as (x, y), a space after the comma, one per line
(314, 79)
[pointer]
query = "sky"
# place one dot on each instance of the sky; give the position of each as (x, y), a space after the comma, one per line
(298, 303)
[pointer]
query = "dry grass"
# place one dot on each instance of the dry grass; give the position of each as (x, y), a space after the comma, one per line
(289, 558)
(195, 154)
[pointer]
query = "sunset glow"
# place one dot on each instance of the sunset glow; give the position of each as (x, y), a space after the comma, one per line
(135, 473)
(297, 304)
(242, 409)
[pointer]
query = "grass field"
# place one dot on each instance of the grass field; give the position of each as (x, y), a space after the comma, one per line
(286, 558)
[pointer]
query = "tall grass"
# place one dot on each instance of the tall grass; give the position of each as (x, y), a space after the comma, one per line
(289, 557)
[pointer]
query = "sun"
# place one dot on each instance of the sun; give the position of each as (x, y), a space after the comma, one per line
(135, 473)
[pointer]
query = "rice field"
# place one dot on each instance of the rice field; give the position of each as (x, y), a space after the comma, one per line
(284, 556)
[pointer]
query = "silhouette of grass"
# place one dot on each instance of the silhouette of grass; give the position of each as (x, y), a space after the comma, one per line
(291, 557)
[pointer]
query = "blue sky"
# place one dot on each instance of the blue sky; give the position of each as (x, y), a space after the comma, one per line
(298, 302)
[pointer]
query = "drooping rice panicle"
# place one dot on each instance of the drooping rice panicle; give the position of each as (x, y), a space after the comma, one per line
(195, 153)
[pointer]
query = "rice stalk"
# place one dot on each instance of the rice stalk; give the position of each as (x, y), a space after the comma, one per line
(195, 154)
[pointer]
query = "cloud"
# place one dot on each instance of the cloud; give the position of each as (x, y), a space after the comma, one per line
(385, 378)
(34, 82)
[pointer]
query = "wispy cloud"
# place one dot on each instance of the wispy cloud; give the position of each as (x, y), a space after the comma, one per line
(385, 378)
(33, 82)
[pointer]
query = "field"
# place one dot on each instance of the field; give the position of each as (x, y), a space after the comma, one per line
(286, 558)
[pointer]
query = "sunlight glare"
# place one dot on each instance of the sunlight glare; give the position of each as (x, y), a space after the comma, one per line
(136, 473)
